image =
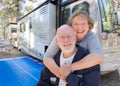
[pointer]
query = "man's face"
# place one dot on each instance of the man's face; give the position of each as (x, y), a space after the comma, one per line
(66, 39)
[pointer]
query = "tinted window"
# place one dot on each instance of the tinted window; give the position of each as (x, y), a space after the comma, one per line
(64, 1)
(65, 15)
(30, 25)
(84, 6)
(107, 10)
(22, 27)
(13, 30)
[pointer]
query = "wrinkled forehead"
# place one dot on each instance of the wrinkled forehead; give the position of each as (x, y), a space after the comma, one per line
(81, 17)
(65, 30)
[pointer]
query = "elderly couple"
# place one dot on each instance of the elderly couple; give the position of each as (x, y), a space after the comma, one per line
(74, 55)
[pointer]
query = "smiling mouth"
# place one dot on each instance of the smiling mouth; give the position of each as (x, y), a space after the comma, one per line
(80, 32)
(67, 44)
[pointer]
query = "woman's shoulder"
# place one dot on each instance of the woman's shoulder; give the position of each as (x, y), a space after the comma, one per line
(91, 35)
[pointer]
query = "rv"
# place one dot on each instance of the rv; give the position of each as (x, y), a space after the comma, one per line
(13, 34)
(38, 28)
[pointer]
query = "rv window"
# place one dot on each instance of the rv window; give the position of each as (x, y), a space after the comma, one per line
(22, 27)
(64, 1)
(65, 15)
(107, 10)
(13, 30)
(30, 25)
(116, 18)
(84, 6)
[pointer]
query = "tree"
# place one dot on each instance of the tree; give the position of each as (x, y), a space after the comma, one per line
(9, 9)
(8, 13)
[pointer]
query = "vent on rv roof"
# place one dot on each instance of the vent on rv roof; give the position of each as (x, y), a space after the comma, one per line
(43, 10)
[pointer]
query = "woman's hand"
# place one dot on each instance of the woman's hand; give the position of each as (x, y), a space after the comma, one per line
(65, 70)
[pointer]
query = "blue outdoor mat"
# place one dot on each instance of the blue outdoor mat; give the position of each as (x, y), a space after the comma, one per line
(21, 71)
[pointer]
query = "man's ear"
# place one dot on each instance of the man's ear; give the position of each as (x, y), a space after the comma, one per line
(56, 40)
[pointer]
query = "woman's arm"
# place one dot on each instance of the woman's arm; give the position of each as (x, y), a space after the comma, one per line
(96, 56)
(88, 61)
(48, 58)
(52, 66)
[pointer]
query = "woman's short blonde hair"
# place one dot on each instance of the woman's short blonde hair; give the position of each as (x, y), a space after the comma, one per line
(83, 14)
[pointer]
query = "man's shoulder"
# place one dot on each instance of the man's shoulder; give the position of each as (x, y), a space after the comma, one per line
(58, 54)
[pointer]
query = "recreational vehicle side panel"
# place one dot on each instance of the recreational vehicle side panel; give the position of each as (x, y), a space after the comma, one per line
(40, 28)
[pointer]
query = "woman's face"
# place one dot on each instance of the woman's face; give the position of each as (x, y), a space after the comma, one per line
(81, 27)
